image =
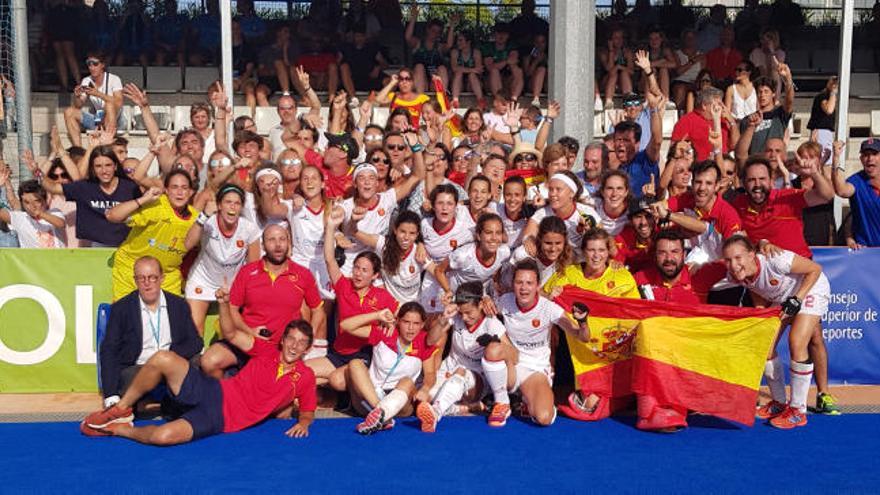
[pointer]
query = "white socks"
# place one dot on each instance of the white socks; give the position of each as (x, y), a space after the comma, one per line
(452, 390)
(774, 372)
(393, 403)
(801, 375)
(496, 376)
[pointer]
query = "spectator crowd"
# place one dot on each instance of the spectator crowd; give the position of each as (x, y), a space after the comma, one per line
(340, 251)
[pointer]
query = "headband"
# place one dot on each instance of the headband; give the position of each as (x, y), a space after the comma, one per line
(268, 171)
(364, 167)
(565, 180)
(228, 188)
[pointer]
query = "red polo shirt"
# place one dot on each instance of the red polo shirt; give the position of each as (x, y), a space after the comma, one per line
(725, 218)
(349, 304)
(780, 219)
(262, 387)
(696, 128)
(273, 303)
(687, 289)
(633, 253)
(335, 186)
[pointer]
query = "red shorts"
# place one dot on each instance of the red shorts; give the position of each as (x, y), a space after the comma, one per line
(316, 62)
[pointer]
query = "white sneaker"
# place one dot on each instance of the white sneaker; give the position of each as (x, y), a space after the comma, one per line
(536, 102)
(354, 103)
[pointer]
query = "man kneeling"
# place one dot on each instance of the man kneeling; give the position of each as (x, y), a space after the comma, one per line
(272, 379)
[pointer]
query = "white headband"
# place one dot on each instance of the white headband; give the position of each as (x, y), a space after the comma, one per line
(565, 180)
(364, 167)
(268, 171)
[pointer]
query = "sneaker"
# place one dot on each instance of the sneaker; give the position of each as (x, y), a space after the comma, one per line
(770, 410)
(107, 431)
(106, 417)
(825, 404)
(428, 416)
(498, 416)
(790, 418)
(536, 102)
(354, 102)
(374, 422)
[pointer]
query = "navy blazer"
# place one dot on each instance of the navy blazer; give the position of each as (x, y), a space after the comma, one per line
(124, 338)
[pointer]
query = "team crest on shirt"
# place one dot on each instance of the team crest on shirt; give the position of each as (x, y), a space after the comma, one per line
(536, 323)
(198, 290)
(293, 277)
(381, 212)
(453, 243)
(371, 301)
(774, 282)
(412, 269)
(239, 243)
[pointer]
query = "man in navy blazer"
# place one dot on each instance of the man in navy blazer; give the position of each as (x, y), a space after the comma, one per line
(141, 323)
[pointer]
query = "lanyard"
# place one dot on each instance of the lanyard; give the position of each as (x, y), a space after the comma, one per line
(156, 328)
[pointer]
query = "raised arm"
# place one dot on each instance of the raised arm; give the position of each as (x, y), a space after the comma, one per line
(382, 98)
(553, 111)
(406, 186)
(333, 221)
(745, 138)
(228, 328)
(222, 113)
(653, 148)
(121, 212)
(308, 93)
(139, 98)
(409, 34)
(785, 73)
(841, 187)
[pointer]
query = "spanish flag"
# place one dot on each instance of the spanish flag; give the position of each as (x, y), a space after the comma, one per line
(705, 358)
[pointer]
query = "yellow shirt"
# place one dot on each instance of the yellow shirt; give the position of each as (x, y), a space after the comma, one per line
(156, 230)
(613, 282)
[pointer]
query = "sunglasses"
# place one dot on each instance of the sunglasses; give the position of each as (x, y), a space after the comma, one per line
(286, 108)
(741, 69)
(404, 78)
(460, 158)
(373, 137)
(92, 61)
(630, 104)
(290, 162)
(65, 175)
(182, 166)
(379, 159)
(525, 157)
(396, 147)
(218, 162)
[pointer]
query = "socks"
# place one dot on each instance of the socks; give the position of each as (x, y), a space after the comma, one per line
(801, 374)
(452, 390)
(393, 403)
(775, 375)
(496, 376)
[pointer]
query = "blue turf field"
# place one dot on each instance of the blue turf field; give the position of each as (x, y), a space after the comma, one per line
(836, 454)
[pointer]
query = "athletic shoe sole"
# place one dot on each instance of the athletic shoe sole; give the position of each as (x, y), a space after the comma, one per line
(495, 423)
(372, 423)
(427, 416)
(120, 420)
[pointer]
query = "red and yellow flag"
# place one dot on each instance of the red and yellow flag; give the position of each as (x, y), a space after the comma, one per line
(705, 358)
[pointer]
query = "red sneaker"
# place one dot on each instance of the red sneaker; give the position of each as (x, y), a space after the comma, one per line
(498, 416)
(107, 431)
(114, 414)
(770, 410)
(789, 419)
(428, 417)
(373, 422)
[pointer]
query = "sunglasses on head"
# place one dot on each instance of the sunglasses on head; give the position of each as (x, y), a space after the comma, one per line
(525, 157)
(286, 108)
(379, 159)
(397, 147)
(182, 166)
(93, 61)
(220, 162)
(741, 69)
(290, 162)
(373, 137)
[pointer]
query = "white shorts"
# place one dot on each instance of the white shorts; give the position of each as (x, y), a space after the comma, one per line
(523, 373)
(200, 287)
(447, 370)
(816, 301)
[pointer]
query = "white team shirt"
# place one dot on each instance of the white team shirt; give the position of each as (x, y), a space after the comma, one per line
(377, 221)
(611, 225)
(529, 329)
(220, 257)
(307, 232)
(578, 222)
(775, 282)
(384, 373)
(513, 228)
(111, 84)
(439, 246)
(35, 234)
(465, 266)
(465, 351)
(404, 284)
(520, 254)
